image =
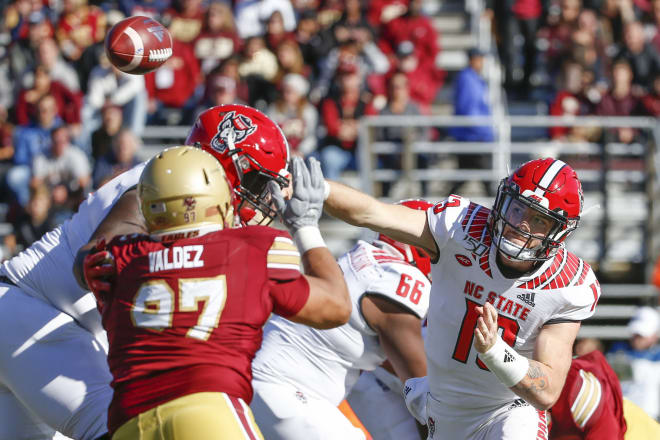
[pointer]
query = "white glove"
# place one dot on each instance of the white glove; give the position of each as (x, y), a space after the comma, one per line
(306, 204)
(415, 391)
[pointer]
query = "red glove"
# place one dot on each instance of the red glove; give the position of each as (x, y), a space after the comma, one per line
(99, 270)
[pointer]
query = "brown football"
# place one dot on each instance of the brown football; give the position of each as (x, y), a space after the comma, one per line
(138, 45)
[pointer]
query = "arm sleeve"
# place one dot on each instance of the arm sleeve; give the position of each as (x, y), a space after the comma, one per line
(290, 296)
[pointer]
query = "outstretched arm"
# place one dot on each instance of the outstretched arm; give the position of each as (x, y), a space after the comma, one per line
(397, 221)
(123, 218)
(328, 304)
(539, 380)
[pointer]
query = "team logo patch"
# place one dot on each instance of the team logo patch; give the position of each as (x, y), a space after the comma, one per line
(232, 129)
(463, 260)
(431, 424)
(527, 298)
(189, 203)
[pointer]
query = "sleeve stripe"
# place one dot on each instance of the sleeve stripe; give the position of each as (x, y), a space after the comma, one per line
(587, 400)
(283, 243)
(283, 259)
(283, 266)
(287, 252)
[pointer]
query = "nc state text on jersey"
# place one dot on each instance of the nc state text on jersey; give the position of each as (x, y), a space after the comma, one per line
(501, 303)
(176, 257)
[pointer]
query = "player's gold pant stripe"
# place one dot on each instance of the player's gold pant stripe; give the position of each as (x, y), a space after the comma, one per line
(207, 416)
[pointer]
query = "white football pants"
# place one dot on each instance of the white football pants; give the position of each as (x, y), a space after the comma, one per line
(284, 413)
(53, 367)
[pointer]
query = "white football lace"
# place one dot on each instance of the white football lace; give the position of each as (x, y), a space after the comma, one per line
(160, 54)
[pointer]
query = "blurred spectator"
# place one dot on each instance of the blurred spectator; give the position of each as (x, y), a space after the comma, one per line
(561, 22)
(340, 115)
(219, 39)
(220, 90)
(252, 15)
(80, 25)
(20, 14)
(329, 13)
(359, 51)
(48, 55)
(29, 142)
(259, 69)
(68, 102)
(184, 20)
(148, 8)
(314, 42)
(415, 27)
(35, 221)
(229, 68)
(6, 151)
(588, 48)
(275, 32)
(613, 16)
(295, 115)
(352, 20)
(637, 361)
(651, 101)
(643, 58)
(513, 18)
(64, 168)
(120, 158)
(109, 84)
(173, 87)
(105, 135)
(290, 60)
(620, 101)
(22, 53)
(471, 99)
(571, 101)
(258, 60)
(424, 81)
(91, 57)
(383, 11)
(400, 104)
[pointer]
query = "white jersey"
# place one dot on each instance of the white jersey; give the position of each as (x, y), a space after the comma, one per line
(326, 363)
(466, 275)
(44, 270)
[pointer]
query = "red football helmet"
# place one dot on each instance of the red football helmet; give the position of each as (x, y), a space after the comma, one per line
(413, 255)
(251, 149)
(540, 202)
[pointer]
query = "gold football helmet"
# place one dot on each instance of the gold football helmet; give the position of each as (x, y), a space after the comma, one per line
(184, 192)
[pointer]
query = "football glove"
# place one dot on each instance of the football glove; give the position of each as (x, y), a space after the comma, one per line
(306, 204)
(414, 393)
(99, 271)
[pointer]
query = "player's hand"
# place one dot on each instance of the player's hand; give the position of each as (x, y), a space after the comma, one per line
(486, 330)
(305, 206)
(414, 393)
(99, 270)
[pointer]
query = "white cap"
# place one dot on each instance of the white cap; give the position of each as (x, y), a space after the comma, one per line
(645, 322)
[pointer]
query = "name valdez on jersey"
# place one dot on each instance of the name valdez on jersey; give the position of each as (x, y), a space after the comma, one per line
(178, 257)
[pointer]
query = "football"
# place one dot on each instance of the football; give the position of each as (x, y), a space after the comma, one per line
(138, 45)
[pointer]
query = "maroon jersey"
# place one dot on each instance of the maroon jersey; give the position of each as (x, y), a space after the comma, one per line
(187, 316)
(590, 406)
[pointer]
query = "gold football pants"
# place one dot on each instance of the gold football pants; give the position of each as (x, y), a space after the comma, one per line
(208, 416)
